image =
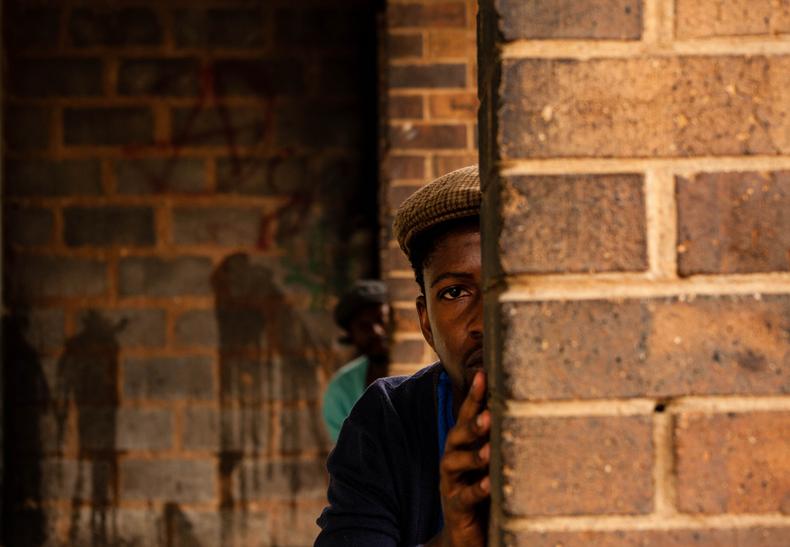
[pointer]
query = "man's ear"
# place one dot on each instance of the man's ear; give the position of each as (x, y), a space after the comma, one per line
(425, 324)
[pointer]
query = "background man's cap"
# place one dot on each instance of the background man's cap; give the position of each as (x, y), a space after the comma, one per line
(363, 293)
(451, 196)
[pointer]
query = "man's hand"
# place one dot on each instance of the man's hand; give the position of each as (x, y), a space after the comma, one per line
(463, 473)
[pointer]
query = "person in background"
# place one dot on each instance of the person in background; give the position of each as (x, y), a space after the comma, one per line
(364, 315)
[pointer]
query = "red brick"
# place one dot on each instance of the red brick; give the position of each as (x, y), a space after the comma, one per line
(27, 225)
(564, 19)
(163, 277)
(403, 290)
(236, 27)
(396, 195)
(427, 76)
(407, 319)
(44, 177)
(697, 537)
(108, 126)
(415, 135)
(660, 107)
(227, 127)
(223, 226)
(159, 77)
(109, 226)
(406, 167)
(643, 348)
(709, 18)
(404, 106)
(168, 378)
(395, 260)
(457, 106)
(451, 43)
(160, 176)
(444, 164)
(58, 77)
(733, 463)
(444, 14)
(138, 26)
(172, 480)
(733, 223)
(577, 466)
(404, 45)
(573, 223)
(409, 351)
(51, 276)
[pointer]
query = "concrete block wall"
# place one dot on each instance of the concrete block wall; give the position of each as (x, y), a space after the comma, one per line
(187, 186)
(431, 111)
(636, 170)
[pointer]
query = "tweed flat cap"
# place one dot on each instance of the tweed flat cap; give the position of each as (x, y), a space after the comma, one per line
(451, 196)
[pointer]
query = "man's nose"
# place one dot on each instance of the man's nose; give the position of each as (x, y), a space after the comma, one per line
(476, 320)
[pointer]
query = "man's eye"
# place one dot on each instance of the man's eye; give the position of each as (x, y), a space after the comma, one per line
(451, 293)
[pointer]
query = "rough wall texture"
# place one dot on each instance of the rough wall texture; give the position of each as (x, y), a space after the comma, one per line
(635, 160)
(431, 96)
(187, 186)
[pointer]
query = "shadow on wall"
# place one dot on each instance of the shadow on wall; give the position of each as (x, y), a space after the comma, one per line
(270, 359)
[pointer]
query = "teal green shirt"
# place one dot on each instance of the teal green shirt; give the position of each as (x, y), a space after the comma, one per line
(343, 391)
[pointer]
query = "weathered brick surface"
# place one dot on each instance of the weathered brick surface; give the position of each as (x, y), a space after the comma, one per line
(707, 106)
(107, 429)
(453, 105)
(547, 228)
(410, 351)
(55, 77)
(27, 178)
(266, 177)
(212, 127)
(166, 77)
(733, 222)
(571, 466)
(218, 27)
(428, 136)
(105, 226)
(404, 106)
(258, 480)
(237, 430)
(144, 276)
(89, 26)
(708, 18)
(259, 78)
(537, 19)
(728, 537)
(733, 463)
(196, 328)
(138, 328)
(28, 225)
(44, 329)
(51, 276)
(432, 76)
(168, 378)
(216, 226)
(175, 480)
(107, 126)
(27, 128)
(404, 45)
(451, 43)
(156, 176)
(600, 349)
(427, 14)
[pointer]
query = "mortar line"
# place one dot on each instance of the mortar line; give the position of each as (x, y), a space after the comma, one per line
(601, 523)
(661, 227)
(675, 166)
(651, 15)
(663, 465)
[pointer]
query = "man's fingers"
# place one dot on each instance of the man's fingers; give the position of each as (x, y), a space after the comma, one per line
(466, 497)
(461, 461)
(468, 432)
(471, 404)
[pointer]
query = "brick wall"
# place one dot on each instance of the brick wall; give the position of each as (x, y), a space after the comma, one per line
(431, 107)
(187, 186)
(636, 170)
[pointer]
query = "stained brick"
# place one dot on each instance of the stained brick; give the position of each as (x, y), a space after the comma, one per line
(259, 77)
(125, 429)
(55, 77)
(733, 463)
(28, 26)
(707, 18)
(706, 107)
(138, 328)
(41, 177)
(406, 167)
(156, 176)
(267, 177)
(164, 77)
(451, 43)
(427, 76)
(168, 378)
(234, 27)
(574, 223)
(52, 276)
(667, 347)
(114, 27)
(144, 276)
(228, 227)
(303, 430)
(453, 105)
(404, 45)
(404, 106)
(733, 222)
(428, 136)
(563, 19)
(229, 127)
(172, 480)
(196, 328)
(584, 465)
(107, 226)
(27, 128)
(107, 126)
(28, 225)
(260, 480)
(240, 430)
(443, 14)
(697, 537)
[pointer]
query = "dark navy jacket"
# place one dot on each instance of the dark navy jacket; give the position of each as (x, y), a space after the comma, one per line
(384, 469)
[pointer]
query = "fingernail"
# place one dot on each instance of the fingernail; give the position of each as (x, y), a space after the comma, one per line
(484, 451)
(479, 420)
(485, 484)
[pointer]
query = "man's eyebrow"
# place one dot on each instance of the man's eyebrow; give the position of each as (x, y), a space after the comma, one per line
(445, 275)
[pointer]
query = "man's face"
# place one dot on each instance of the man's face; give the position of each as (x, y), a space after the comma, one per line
(369, 331)
(451, 311)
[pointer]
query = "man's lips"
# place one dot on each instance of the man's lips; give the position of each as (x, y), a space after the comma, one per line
(474, 359)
